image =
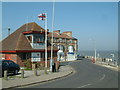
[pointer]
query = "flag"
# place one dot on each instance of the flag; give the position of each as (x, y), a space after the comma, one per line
(42, 16)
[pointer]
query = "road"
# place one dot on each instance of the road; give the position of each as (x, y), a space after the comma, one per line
(86, 75)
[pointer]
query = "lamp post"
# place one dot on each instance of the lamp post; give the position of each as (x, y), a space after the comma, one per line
(113, 58)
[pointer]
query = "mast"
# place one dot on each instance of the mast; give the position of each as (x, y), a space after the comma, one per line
(51, 60)
(46, 42)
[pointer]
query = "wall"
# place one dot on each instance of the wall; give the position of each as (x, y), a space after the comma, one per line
(9, 56)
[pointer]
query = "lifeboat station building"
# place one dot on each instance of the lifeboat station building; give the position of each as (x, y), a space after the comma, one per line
(27, 44)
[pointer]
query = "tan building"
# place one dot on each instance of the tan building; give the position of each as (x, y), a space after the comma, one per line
(64, 41)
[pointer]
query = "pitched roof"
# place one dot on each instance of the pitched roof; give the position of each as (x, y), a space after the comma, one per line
(17, 40)
(33, 27)
(23, 43)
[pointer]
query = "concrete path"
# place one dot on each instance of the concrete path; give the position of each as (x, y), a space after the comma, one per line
(30, 78)
(115, 68)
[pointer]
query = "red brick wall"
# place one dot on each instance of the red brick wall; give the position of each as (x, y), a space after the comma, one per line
(12, 57)
(2, 56)
(19, 61)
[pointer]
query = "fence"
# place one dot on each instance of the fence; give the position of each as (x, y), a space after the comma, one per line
(104, 61)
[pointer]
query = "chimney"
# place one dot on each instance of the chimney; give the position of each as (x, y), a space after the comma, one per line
(47, 30)
(69, 33)
(57, 31)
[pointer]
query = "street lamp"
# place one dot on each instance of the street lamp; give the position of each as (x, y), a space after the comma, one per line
(113, 58)
(94, 47)
(98, 56)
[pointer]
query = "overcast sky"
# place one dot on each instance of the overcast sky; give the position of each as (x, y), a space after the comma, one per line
(87, 20)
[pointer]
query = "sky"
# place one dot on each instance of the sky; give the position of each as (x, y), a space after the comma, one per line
(88, 21)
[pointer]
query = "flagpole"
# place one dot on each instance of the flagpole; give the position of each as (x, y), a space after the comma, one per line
(51, 60)
(46, 43)
(43, 16)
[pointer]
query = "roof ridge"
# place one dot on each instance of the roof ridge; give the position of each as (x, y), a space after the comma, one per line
(18, 41)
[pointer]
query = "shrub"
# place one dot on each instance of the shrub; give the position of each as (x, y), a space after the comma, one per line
(27, 64)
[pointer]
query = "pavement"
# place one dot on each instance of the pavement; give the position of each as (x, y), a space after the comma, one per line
(30, 78)
(112, 67)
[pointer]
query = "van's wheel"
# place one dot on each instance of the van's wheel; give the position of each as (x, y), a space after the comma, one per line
(16, 72)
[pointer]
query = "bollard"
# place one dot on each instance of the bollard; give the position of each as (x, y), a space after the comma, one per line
(35, 72)
(57, 66)
(22, 73)
(46, 70)
(5, 75)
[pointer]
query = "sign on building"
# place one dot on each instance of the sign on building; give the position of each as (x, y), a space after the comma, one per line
(36, 57)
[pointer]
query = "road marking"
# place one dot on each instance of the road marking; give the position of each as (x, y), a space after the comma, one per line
(84, 85)
(91, 84)
(102, 77)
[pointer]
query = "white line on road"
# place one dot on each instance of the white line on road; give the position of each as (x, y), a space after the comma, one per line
(84, 85)
(102, 77)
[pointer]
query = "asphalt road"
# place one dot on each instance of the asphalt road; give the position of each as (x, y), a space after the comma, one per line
(86, 75)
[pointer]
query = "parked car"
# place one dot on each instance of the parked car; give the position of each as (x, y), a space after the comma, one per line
(10, 66)
(80, 57)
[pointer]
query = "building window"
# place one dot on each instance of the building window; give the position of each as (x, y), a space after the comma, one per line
(29, 38)
(64, 40)
(60, 39)
(57, 40)
(70, 41)
(54, 39)
(38, 38)
(25, 56)
(48, 39)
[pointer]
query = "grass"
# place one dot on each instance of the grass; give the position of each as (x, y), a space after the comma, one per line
(14, 76)
(28, 69)
(11, 77)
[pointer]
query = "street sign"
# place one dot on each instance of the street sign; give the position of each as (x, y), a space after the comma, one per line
(35, 57)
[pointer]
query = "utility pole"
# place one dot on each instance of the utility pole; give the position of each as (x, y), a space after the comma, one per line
(95, 50)
(113, 58)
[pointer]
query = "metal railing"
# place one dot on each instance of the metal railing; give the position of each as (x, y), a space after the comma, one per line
(38, 45)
